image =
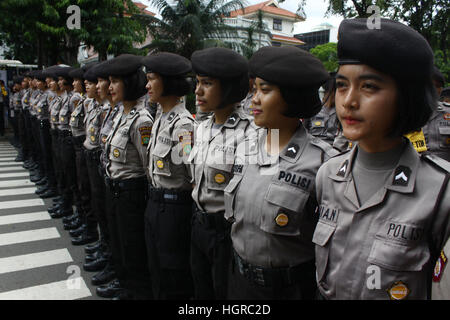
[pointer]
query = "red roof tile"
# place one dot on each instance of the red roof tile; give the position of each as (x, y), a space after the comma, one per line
(263, 6)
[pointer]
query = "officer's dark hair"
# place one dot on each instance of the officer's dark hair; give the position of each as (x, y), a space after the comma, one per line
(416, 101)
(175, 86)
(438, 77)
(234, 90)
(134, 85)
(301, 102)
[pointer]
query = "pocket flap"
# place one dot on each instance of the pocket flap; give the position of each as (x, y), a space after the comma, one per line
(234, 182)
(323, 233)
(398, 257)
(161, 149)
(287, 197)
(444, 130)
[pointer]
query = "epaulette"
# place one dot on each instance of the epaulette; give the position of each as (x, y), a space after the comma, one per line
(327, 148)
(436, 161)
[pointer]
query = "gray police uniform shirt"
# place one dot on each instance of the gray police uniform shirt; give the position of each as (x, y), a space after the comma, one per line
(212, 158)
(379, 249)
(169, 149)
(110, 114)
(323, 125)
(53, 109)
(77, 116)
(34, 97)
(26, 99)
(271, 200)
(127, 144)
(437, 132)
(341, 143)
(93, 122)
(42, 105)
(17, 101)
(56, 108)
(247, 105)
(69, 101)
(440, 288)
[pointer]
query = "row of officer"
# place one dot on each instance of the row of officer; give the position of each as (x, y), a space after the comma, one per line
(265, 193)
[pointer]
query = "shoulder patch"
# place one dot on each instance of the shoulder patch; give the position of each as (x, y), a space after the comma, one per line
(145, 133)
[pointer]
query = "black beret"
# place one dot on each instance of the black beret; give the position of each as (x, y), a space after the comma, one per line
(120, 66)
(88, 73)
(39, 75)
(76, 73)
(50, 72)
(288, 66)
(64, 72)
(166, 63)
(219, 63)
(394, 48)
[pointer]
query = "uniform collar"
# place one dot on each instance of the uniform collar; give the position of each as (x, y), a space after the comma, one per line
(291, 153)
(403, 176)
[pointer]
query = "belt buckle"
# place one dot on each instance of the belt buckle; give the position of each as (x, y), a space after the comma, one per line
(172, 197)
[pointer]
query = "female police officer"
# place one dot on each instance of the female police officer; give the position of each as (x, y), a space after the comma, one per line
(169, 208)
(126, 182)
(222, 82)
(271, 197)
(383, 209)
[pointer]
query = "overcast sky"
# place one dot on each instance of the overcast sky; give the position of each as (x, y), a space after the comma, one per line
(314, 9)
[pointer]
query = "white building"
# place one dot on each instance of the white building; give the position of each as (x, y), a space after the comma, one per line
(279, 22)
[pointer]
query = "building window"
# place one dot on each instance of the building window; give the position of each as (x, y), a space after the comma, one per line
(277, 25)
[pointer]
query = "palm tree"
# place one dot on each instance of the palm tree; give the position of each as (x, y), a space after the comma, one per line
(189, 25)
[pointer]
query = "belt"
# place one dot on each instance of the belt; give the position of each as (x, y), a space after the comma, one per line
(94, 154)
(78, 140)
(64, 133)
(269, 277)
(211, 220)
(167, 195)
(128, 184)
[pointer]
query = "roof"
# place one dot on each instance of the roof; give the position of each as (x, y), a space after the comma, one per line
(291, 40)
(142, 7)
(268, 7)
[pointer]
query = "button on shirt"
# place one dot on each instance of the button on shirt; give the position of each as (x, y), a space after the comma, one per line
(271, 200)
(77, 117)
(93, 121)
(67, 106)
(379, 249)
(212, 158)
(171, 144)
(127, 144)
(323, 125)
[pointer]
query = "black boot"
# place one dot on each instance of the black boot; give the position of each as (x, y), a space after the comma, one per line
(88, 236)
(104, 276)
(110, 290)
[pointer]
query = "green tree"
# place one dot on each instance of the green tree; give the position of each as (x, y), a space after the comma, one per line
(189, 25)
(36, 30)
(327, 53)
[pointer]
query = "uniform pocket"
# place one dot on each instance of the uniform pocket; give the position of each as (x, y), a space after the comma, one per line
(218, 176)
(322, 235)
(118, 149)
(444, 134)
(230, 194)
(161, 159)
(397, 257)
(284, 210)
(64, 116)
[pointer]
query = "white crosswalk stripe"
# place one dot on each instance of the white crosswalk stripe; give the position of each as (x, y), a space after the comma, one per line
(26, 224)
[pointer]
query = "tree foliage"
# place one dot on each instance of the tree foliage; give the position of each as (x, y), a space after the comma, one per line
(35, 31)
(327, 53)
(189, 25)
(428, 17)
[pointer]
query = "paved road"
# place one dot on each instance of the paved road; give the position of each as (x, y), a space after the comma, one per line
(37, 259)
